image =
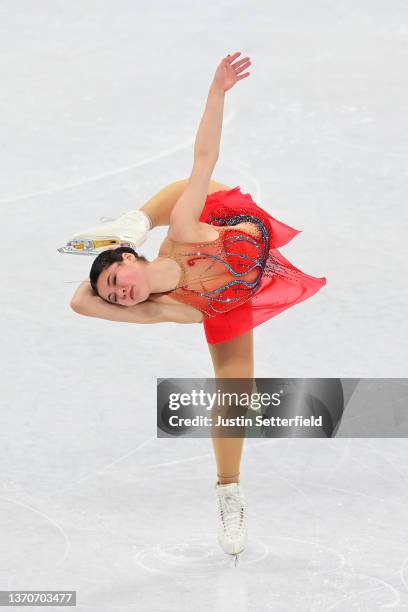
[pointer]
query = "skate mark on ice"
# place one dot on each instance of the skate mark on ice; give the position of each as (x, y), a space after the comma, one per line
(195, 556)
(49, 520)
(100, 177)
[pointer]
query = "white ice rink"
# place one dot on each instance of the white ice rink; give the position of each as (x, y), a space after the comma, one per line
(100, 103)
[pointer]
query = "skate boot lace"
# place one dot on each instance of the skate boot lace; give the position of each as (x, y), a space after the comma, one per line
(106, 219)
(232, 510)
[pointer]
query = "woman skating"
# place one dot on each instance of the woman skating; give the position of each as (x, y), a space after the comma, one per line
(219, 265)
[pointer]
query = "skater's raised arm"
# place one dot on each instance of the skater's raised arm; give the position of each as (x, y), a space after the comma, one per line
(209, 132)
(188, 208)
(208, 137)
(133, 226)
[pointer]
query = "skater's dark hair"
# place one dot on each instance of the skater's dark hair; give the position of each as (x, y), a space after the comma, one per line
(105, 259)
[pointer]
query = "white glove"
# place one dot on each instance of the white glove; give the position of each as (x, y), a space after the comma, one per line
(130, 229)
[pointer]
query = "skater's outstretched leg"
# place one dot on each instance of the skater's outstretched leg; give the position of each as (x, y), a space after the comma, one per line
(159, 207)
(132, 227)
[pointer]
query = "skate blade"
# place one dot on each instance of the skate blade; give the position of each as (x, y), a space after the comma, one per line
(235, 558)
(92, 247)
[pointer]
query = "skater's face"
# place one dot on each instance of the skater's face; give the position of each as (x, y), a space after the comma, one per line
(124, 282)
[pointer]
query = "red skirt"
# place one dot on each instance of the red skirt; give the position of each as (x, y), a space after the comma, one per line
(275, 293)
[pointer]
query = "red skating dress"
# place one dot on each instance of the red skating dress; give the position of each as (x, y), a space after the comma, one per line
(240, 279)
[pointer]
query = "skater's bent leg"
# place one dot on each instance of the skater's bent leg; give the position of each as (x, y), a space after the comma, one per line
(232, 359)
(160, 206)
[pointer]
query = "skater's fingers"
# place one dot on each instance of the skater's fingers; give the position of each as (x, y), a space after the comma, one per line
(234, 56)
(243, 76)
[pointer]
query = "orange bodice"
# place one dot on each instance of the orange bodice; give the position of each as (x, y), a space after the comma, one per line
(220, 275)
(241, 279)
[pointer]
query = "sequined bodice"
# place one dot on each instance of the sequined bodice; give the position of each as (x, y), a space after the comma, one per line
(241, 279)
(220, 275)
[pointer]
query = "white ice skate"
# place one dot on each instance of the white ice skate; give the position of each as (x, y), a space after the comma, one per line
(130, 229)
(232, 535)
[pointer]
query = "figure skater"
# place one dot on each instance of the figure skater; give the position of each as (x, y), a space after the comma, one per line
(219, 266)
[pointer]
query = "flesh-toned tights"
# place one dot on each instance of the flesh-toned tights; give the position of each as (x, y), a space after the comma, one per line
(231, 359)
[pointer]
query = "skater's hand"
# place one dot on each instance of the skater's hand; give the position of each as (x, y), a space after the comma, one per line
(227, 73)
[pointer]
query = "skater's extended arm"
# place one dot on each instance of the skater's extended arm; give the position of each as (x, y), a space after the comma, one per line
(207, 142)
(186, 212)
(84, 302)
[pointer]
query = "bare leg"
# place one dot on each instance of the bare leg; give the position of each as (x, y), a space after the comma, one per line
(159, 207)
(231, 359)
